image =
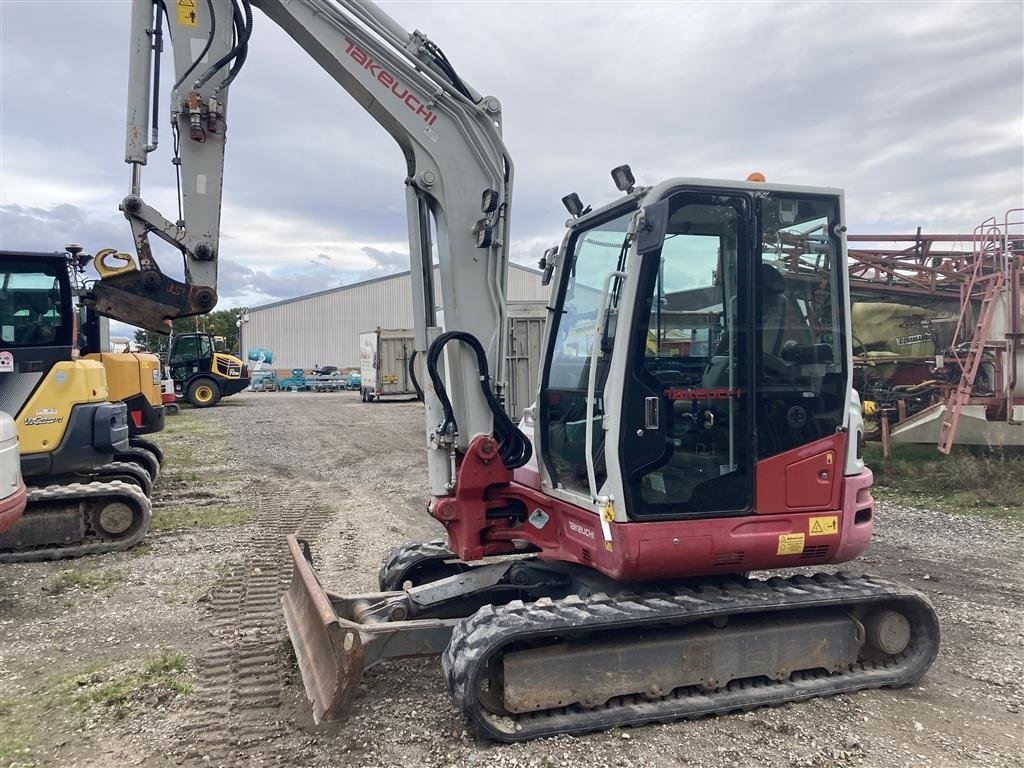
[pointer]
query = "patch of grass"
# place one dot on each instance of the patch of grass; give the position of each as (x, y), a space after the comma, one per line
(175, 518)
(179, 476)
(191, 477)
(188, 423)
(78, 579)
(990, 485)
(185, 435)
(14, 752)
(160, 679)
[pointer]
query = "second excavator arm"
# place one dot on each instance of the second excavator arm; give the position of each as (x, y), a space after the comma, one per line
(458, 180)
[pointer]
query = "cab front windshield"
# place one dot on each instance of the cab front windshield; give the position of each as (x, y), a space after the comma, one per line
(32, 307)
(593, 254)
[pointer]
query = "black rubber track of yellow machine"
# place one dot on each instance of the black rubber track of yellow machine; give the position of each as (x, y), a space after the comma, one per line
(143, 457)
(76, 520)
(127, 472)
(122, 471)
(530, 646)
(148, 445)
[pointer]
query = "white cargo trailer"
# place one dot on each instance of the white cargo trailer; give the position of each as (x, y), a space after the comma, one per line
(388, 364)
(525, 329)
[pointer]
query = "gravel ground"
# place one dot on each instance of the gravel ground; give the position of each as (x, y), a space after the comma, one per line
(351, 478)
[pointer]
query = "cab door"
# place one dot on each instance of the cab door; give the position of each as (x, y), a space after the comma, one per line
(685, 437)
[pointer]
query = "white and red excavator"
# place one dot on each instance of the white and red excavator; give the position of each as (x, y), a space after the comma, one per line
(695, 418)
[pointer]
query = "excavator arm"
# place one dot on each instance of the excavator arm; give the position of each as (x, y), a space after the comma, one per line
(458, 178)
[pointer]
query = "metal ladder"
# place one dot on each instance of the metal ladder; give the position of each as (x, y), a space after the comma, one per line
(988, 249)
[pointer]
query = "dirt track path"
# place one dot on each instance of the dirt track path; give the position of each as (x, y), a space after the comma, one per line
(350, 478)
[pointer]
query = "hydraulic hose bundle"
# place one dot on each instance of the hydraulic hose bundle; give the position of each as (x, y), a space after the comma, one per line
(513, 446)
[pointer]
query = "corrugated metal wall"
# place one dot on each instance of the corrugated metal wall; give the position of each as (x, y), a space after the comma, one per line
(324, 328)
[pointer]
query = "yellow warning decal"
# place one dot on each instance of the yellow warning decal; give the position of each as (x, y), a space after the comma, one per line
(791, 544)
(607, 518)
(187, 13)
(823, 526)
(391, 378)
(829, 458)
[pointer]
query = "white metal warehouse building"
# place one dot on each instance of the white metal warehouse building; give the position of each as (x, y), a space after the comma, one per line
(323, 328)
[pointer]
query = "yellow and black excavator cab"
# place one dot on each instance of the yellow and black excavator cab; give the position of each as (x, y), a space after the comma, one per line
(82, 499)
(60, 402)
(201, 373)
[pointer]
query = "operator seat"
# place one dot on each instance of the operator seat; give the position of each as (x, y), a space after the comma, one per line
(771, 323)
(774, 303)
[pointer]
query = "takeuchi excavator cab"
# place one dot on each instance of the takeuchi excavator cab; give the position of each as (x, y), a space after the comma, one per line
(732, 345)
(202, 375)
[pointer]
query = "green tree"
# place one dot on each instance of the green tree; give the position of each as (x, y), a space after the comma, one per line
(222, 322)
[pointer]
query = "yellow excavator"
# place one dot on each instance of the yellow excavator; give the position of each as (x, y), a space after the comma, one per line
(133, 378)
(81, 499)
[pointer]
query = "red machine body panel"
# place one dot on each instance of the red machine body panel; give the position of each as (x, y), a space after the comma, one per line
(806, 478)
(834, 525)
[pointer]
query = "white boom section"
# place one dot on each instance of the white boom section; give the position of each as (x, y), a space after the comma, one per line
(458, 172)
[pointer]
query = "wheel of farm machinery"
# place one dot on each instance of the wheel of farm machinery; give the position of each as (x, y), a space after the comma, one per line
(203, 393)
(143, 458)
(416, 563)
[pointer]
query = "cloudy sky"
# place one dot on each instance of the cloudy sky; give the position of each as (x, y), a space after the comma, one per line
(916, 109)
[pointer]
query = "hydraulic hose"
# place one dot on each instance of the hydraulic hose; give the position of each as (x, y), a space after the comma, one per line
(202, 53)
(449, 71)
(412, 376)
(158, 48)
(243, 45)
(243, 32)
(513, 446)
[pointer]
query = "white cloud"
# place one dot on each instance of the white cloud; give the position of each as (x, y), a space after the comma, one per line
(915, 109)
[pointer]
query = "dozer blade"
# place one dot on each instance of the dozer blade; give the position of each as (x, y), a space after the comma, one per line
(330, 656)
(337, 637)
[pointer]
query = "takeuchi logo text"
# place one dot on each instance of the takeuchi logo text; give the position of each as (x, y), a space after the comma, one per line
(701, 393)
(390, 82)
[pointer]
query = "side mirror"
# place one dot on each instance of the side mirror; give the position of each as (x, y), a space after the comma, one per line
(650, 233)
(547, 264)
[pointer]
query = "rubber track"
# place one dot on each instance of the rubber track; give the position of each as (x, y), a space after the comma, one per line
(142, 477)
(74, 493)
(148, 445)
(236, 708)
(479, 637)
(145, 459)
(391, 573)
(103, 474)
